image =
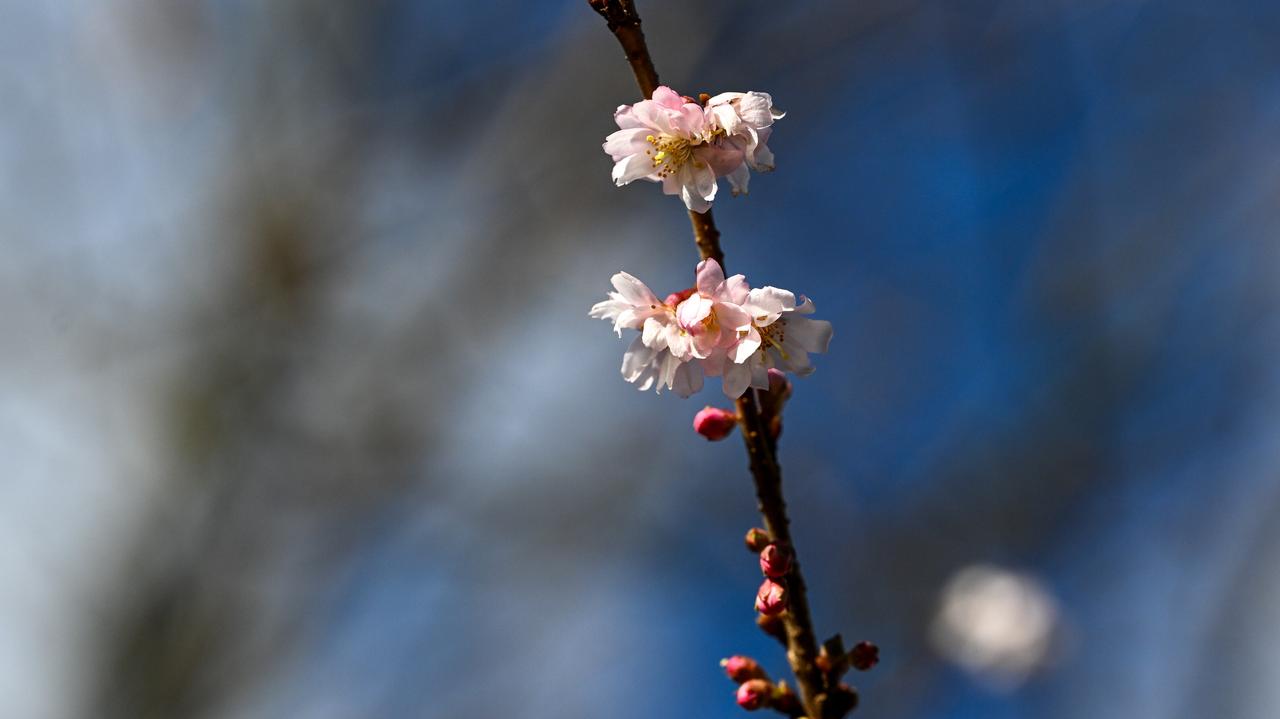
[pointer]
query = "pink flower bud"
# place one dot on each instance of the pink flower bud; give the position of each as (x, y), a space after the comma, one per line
(771, 599)
(864, 656)
(754, 694)
(714, 423)
(741, 669)
(757, 539)
(775, 561)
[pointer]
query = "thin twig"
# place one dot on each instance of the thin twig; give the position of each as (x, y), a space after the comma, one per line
(802, 646)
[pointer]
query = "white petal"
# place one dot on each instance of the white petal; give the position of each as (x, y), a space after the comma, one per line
(760, 157)
(653, 115)
(738, 180)
(732, 317)
(632, 168)
(724, 117)
(735, 290)
(626, 118)
(715, 363)
(654, 334)
(645, 382)
(667, 366)
(688, 379)
(680, 344)
(628, 319)
(797, 360)
(746, 346)
(704, 179)
(704, 343)
(809, 335)
(633, 290)
(694, 203)
(736, 379)
(624, 143)
(759, 375)
(637, 358)
(694, 310)
(754, 109)
(766, 304)
(607, 309)
(725, 98)
(666, 97)
(709, 277)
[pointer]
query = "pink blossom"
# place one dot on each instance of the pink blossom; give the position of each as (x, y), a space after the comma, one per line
(686, 146)
(629, 305)
(719, 328)
(713, 314)
(659, 357)
(778, 337)
(746, 118)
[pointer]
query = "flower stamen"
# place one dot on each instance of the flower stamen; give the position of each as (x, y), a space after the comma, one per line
(773, 335)
(671, 154)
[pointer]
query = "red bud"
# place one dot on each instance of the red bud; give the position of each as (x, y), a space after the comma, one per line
(741, 669)
(771, 599)
(864, 656)
(775, 561)
(754, 694)
(714, 423)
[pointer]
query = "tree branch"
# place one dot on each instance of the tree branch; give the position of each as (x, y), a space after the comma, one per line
(624, 23)
(802, 646)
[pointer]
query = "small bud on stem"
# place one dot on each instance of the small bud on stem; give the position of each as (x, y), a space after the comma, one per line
(741, 669)
(771, 600)
(757, 539)
(775, 561)
(754, 694)
(864, 656)
(714, 423)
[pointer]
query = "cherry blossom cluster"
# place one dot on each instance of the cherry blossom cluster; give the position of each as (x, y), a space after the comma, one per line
(687, 146)
(720, 328)
(755, 689)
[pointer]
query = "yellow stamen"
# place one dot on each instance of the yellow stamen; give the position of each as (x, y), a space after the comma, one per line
(773, 335)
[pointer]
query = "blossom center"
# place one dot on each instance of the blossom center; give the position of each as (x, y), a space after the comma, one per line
(772, 335)
(670, 153)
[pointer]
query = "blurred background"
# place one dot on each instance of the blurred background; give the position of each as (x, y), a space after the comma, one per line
(302, 415)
